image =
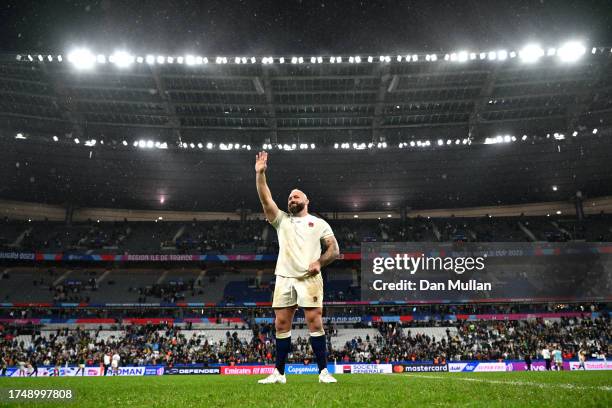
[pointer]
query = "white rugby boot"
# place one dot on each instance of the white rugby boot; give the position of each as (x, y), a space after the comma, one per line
(326, 377)
(274, 378)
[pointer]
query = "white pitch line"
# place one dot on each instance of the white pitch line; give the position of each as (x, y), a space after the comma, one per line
(532, 384)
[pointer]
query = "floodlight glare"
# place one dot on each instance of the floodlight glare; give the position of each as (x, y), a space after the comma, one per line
(571, 51)
(531, 53)
(122, 59)
(82, 58)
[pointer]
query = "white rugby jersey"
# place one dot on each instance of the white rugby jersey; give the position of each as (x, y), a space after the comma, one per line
(299, 243)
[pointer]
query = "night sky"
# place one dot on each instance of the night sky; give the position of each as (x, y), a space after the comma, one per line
(261, 27)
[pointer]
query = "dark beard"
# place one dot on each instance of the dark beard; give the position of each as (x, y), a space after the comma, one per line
(296, 209)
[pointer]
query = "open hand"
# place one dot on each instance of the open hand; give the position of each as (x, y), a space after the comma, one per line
(261, 162)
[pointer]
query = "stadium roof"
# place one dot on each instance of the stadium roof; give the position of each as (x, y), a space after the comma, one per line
(306, 102)
(80, 128)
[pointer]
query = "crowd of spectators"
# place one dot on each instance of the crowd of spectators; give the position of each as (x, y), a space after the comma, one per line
(169, 345)
(483, 340)
(248, 314)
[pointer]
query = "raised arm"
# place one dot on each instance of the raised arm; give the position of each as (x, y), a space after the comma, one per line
(265, 196)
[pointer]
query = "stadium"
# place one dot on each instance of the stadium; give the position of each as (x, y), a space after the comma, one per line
(468, 191)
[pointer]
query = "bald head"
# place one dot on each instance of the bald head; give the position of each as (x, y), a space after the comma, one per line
(297, 204)
(299, 192)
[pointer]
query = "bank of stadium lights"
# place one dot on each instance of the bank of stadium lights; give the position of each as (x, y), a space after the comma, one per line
(245, 60)
(210, 146)
(442, 143)
(148, 144)
(83, 59)
(418, 143)
(500, 139)
(408, 58)
(195, 60)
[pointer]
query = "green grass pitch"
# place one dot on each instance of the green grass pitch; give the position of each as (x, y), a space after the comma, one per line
(519, 389)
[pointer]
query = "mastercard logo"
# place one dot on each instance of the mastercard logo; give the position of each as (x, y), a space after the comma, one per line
(398, 369)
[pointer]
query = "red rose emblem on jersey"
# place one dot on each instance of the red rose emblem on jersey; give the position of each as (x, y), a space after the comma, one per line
(311, 224)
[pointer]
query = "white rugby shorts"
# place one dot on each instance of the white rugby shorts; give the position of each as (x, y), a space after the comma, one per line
(304, 292)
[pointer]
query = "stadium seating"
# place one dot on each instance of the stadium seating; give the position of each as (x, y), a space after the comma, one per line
(232, 237)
